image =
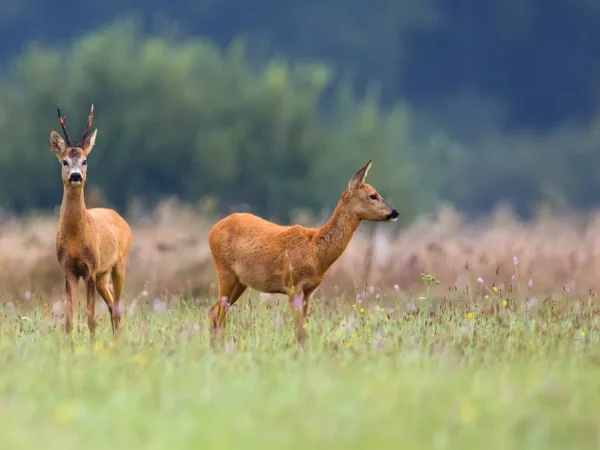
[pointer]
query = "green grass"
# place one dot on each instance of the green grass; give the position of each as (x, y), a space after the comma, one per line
(439, 378)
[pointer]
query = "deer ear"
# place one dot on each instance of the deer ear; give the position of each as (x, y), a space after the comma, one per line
(57, 143)
(359, 178)
(89, 143)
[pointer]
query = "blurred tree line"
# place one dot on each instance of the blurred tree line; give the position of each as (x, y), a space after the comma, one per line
(468, 101)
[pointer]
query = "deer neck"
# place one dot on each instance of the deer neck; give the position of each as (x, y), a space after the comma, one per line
(335, 235)
(73, 212)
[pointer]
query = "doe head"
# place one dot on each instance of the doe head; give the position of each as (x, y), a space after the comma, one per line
(73, 157)
(365, 202)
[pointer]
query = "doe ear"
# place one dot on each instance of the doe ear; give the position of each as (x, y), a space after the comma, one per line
(89, 143)
(359, 178)
(57, 143)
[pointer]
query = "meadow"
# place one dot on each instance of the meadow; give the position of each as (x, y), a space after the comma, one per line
(454, 344)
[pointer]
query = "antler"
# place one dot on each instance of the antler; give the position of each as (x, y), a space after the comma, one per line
(87, 128)
(63, 124)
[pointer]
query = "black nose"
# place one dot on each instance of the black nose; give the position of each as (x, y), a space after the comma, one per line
(394, 214)
(75, 177)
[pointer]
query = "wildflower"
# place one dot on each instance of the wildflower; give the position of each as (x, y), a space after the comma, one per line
(297, 301)
(422, 298)
(505, 303)
(377, 297)
(358, 299)
(371, 289)
(467, 414)
(567, 289)
(9, 305)
(362, 310)
(480, 280)
(354, 305)
(495, 289)
(80, 350)
(582, 334)
(515, 261)
(65, 414)
(141, 360)
(530, 283)
(513, 278)
(382, 309)
(158, 306)
(27, 295)
(98, 346)
(469, 315)
(487, 297)
(144, 293)
(396, 288)
(355, 334)
(225, 302)
(305, 326)
(348, 345)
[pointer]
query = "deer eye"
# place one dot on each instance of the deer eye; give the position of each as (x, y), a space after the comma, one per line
(373, 197)
(84, 162)
(65, 163)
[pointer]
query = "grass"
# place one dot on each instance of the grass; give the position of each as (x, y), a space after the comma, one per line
(458, 373)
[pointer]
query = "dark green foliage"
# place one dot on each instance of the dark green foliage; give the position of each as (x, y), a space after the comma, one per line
(177, 117)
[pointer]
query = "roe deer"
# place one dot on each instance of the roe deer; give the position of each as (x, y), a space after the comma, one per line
(90, 243)
(252, 252)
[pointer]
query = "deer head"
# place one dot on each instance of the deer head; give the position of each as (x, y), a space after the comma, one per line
(365, 202)
(73, 157)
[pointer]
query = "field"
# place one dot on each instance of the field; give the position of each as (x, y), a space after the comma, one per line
(496, 355)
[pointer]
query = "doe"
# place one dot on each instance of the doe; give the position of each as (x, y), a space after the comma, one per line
(90, 243)
(252, 252)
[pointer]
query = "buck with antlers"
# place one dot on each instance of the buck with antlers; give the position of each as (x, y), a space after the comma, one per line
(90, 243)
(251, 252)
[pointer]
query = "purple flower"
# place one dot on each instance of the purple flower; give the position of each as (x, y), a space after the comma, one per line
(397, 288)
(28, 295)
(144, 293)
(9, 305)
(567, 289)
(158, 306)
(513, 278)
(358, 299)
(480, 280)
(297, 301)
(371, 289)
(530, 283)
(515, 261)
(377, 297)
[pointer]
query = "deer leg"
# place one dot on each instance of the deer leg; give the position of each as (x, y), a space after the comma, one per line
(70, 290)
(118, 277)
(91, 306)
(102, 286)
(230, 289)
(299, 305)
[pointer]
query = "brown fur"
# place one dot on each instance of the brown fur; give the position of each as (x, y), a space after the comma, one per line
(90, 243)
(252, 252)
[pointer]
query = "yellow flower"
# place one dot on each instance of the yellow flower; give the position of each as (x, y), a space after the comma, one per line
(382, 309)
(80, 350)
(469, 315)
(505, 303)
(113, 344)
(354, 306)
(355, 334)
(362, 309)
(141, 360)
(98, 346)
(495, 289)
(65, 414)
(422, 298)
(487, 297)
(467, 414)
(305, 326)
(582, 334)
(348, 345)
